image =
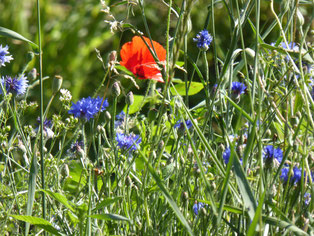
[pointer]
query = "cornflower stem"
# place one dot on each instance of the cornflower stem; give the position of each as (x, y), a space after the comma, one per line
(42, 162)
(112, 125)
(126, 126)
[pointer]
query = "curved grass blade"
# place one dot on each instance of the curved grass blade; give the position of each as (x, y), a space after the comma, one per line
(109, 217)
(245, 190)
(167, 195)
(39, 222)
(14, 35)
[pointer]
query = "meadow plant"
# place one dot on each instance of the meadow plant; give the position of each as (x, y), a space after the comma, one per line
(199, 122)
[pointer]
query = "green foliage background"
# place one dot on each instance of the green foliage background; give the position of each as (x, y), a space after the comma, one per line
(73, 29)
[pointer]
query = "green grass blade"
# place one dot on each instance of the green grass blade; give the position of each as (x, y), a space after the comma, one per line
(106, 202)
(109, 217)
(245, 190)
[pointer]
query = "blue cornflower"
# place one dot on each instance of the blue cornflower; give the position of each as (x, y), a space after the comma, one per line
(4, 57)
(119, 119)
(180, 124)
(270, 153)
(198, 206)
(296, 175)
(203, 40)
(128, 142)
(226, 156)
(307, 198)
(284, 174)
(238, 88)
(86, 108)
(16, 85)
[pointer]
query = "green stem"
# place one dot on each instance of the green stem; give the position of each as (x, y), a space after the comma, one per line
(42, 162)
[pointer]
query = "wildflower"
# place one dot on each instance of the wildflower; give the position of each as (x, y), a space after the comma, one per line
(4, 57)
(198, 206)
(16, 85)
(203, 39)
(180, 124)
(86, 108)
(284, 174)
(47, 125)
(296, 175)
(238, 88)
(226, 156)
(65, 95)
(270, 153)
(119, 119)
(128, 142)
(137, 58)
(307, 198)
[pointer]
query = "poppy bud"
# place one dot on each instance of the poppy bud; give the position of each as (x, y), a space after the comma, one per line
(116, 89)
(56, 84)
(129, 100)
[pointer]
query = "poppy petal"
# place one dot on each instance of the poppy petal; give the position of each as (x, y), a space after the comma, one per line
(137, 58)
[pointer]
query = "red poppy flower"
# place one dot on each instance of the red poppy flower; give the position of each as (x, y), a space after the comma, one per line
(137, 58)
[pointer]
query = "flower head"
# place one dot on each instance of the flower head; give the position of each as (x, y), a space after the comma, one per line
(119, 119)
(137, 58)
(4, 57)
(16, 85)
(284, 174)
(203, 39)
(238, 88)
(86, 108)
(180, 124)
(270, 153)
(296, 175)
(198, 206)
(128, 142)
(226, 156)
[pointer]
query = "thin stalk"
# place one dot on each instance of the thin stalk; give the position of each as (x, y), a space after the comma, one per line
(42, 161)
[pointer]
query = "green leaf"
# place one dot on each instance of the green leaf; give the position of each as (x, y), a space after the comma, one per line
(247, 116)
(106, 202)
(12, 34)
(195, 87)
(60, 198)
(109, 217)
(39, 222)
(245, 190)
(138, 103)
